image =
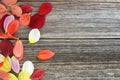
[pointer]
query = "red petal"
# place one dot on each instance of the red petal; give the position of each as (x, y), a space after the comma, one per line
(13, 27)
(18, 50)
(2, 21)
(45, 54)
(6, 47)
(37, 74)
(26, 8)
(37, 21)
(45, 8)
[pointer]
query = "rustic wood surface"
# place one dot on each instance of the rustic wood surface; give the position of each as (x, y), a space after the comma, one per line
(84, 34)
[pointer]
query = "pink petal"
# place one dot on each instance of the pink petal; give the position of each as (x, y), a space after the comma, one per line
(15, 64)
(8, 19)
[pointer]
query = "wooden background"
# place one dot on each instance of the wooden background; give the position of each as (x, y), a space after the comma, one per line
(84, 34)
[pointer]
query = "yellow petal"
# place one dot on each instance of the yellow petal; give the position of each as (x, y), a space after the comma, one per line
(6, 65)
(24, 75)
(12, 77)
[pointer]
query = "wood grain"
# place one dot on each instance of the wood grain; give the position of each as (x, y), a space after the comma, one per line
(80, 20)
(84, 34)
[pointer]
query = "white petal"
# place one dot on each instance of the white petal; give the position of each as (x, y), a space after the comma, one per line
(34, 35)
(28, 67)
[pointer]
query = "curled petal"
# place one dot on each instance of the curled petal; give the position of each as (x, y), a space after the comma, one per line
(37, 21)
(13, 27)
(7, 21)
(24, 75)
(2, 9)
(45, 54)
(26, 8)
(4, 75)
(18, 49)
(15, 64)
(2, 58)
(37, 74)
(12, 77)
(28, 67)
(9, 2)
(6, 65)
(6, 47)
(24, 20)
(34, 36)
(16, 10)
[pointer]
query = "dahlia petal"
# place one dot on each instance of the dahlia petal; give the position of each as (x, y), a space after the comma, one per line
(26, 8)
(37, 74)
(16, 10)
(15, 64)
(45, 54)
(7, 21)
(24, 75)
(2, 58)
(6, 65)
(34, 36)
(6, 47)
(4, 75)
(45, 8)
(9, 2)
(28, 67)
(37, 21)
(18, 50)
(12, 77)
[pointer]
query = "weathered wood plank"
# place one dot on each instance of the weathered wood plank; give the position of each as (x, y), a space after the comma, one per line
(70, 0)
(76, 50)
(77, 71)
(80, 20)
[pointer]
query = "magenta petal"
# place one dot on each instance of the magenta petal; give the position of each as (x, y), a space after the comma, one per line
(15, 64)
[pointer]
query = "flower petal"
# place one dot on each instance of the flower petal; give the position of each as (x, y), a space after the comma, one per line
(7, 21)
(9, 2)
(26, 8)
(15, 64)
(37, 74)
(2, 9)
(24, 20)
(28, 67)
(45, 54)
(4, 75)
(13, 27)
(2, 21)
(6, 65)
(2, 58)
(16, 10)
(34, 36)
(12, 77)
(45, 8)
(24, 75)
(18, 50)
(6, 47)
(37, 21)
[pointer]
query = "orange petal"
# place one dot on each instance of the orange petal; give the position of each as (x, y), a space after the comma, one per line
(9, 2)
(25, 19)
(16, 10)
(45, 54)
(18, 50)
(4, 75)
(13, 27)
(2, 8)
